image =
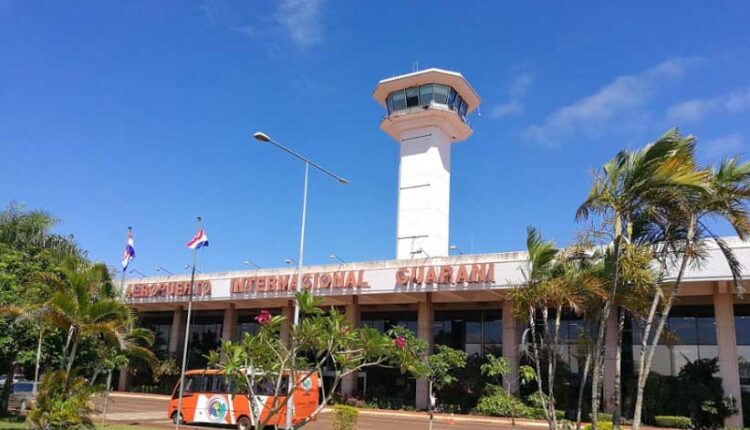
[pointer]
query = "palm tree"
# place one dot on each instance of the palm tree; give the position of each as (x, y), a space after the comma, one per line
(627, 186)
(682, 233)
(554, 281)
(83, 307)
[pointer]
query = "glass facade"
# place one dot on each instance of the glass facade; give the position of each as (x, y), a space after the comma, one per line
(384, 321)
(690, 335)
(205, 335)
(475, 332)
(382, 384)
(161, 325)
(425, 95)
(246, 322)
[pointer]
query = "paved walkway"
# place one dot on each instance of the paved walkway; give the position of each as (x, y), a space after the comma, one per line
(150, 410)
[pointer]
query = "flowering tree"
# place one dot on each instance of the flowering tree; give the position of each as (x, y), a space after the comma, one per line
(320, 340)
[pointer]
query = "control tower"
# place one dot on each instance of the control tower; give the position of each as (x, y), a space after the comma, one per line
(427, 113)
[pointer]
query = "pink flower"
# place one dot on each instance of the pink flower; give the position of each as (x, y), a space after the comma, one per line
(400, 342)
(264, 317)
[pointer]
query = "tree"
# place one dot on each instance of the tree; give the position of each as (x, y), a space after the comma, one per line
(680, 232)
(27, 248)
(627, 187)
(84, 306)
(439, 366)
(321, 339)
(499, 368)
(553, 281)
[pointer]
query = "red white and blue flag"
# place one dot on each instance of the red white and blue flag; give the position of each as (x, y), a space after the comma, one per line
(199, 240)
(129, 253)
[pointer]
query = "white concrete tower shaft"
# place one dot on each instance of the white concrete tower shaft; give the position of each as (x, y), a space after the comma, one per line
(426, 114)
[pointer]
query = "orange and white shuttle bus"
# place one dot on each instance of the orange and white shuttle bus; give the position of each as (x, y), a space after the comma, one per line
(207, 399)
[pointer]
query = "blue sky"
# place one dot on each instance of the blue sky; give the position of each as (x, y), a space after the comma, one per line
(141, 113)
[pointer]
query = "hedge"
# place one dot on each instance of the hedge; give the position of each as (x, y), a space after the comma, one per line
(673, 422)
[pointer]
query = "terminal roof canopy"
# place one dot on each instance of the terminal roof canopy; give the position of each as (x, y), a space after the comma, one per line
(428, 76)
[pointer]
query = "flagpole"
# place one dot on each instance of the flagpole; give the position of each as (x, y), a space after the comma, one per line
(130, 326)
(124, 269)
(187, 332)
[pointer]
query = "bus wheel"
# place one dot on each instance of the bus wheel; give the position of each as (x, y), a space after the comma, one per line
(244, 423)
(175, 418)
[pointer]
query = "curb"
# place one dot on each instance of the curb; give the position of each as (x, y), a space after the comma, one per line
(139, 395)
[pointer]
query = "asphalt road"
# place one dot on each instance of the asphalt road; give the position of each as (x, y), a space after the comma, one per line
(150, 411)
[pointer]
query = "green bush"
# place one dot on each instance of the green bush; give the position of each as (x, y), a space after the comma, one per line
(538, 414)
(500, 404)
(605, 417)
(603, 425)
(62, 403)
(344, 417)
(673, 421)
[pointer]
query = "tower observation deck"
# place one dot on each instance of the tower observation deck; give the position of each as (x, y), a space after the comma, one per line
(426, 113)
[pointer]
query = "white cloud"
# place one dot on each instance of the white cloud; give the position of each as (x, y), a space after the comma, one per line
(301, 18)
(617, 102)
(696, 109)
(725, 146)
(519, 86)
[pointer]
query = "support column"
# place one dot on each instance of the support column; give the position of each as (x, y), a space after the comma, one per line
(510, 345)
(288, 313)
(177, 331)
(229, 327)
(349, 382)
(727, 342)
(610, 354)
(425, 319)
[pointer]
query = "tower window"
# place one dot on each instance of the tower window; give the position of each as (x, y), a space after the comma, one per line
(441, 94)
(399, 100)
(462, 111)
(425, 94)
(412, 97)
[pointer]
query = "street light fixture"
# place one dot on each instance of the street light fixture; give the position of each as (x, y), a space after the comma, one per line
(262, 137)
(336, 257)
(289, 261)
(456, 248)
(250, 263)
(162, 269)
(421, 251)
(143, 275)
(190, 266)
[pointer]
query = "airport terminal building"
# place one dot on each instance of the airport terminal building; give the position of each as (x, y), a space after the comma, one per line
(457, 300)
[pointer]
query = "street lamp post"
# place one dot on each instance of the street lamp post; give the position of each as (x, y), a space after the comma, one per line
(262, 137)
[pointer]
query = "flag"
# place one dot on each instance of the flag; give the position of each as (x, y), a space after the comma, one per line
(129, 253)
(199, 240)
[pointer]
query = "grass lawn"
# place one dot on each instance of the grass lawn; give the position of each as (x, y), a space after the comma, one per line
(15, 424)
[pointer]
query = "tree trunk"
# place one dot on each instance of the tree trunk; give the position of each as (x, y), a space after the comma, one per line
(72, 356)
(599, 345)
(642, 379)
(431, 405)
(582, 388)
(38, 359)
(617, 415)
(9, 369)
(106, 398)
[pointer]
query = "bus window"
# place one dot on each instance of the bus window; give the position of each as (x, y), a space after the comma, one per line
(216, 384)
(195, 384)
